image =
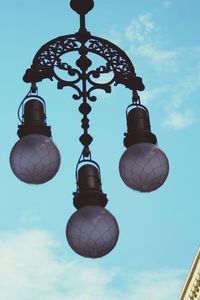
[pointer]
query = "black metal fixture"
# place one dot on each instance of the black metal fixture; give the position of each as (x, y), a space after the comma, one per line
(92, 230)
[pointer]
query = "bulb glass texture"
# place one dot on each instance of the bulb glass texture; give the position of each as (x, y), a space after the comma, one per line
(144, 167)
(92, 231)
(35, 159)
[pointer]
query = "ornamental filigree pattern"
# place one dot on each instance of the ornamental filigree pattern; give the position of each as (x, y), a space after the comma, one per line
(48, 54)
(49, 59)
(117, 61)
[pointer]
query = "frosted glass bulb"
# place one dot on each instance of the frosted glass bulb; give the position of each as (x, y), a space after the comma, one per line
(92, 231)
(144, 167)
(35, 159)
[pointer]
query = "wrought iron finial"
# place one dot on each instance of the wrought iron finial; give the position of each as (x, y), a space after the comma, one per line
(82, 7)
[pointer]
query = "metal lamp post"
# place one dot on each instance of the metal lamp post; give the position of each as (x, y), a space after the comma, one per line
(92, 230)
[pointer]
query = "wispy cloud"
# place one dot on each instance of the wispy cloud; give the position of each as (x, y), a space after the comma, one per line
(179, 120)
(148, 96)
(145, 41)
(182, 92)
(165, 285)
(142, 32)
(31, 269)
(186, 86)
(160, 58)
(29, 217)
(167, 3)
(140, 28)
(114, 36)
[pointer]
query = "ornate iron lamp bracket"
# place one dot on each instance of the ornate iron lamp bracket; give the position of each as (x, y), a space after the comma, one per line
(51, 60)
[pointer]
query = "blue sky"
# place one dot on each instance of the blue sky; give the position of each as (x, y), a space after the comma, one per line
(159, 230)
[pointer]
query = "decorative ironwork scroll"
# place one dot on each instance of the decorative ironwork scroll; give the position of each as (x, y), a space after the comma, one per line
(50, 61)
(49, 58)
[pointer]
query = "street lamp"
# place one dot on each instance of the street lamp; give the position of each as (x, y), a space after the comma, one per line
(34, 158)
(143, 166)
(92, 231)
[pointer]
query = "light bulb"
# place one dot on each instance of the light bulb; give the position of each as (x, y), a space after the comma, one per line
(144, 167)
(92, 231)
(35, 159)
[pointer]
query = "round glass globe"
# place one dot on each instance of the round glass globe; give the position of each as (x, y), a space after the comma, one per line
(35, 159)
(92, 231)
(144, 167)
